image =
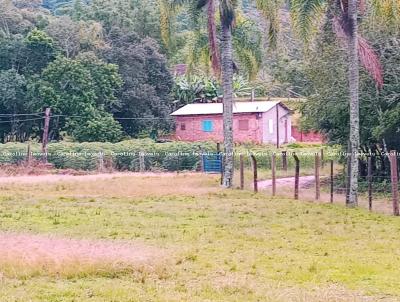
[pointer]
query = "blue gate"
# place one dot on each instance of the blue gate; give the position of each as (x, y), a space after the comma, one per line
(212, 163)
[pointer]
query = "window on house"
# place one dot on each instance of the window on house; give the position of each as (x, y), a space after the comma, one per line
(207, 126)
(243, 125)
(183, 126)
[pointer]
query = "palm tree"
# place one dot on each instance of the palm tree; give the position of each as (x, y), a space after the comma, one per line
(221, 60)
(227, 15)
(354, 80)
(343, 16)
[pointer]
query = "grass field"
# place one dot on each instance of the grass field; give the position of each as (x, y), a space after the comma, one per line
(182, 238)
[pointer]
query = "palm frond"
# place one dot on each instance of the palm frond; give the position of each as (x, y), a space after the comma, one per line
(247, 46)
(167, 13)
(248, 60)
(387, 11)
(369, 59)
(198, 52)
(227, 12)
(304, 13)
(270, 10)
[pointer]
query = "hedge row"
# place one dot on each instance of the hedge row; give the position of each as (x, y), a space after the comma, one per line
(171, 156)
(123, 156)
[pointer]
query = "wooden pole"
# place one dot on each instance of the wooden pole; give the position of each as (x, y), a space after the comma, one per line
(284, 161)
(317, 179)
(370, 183)
(277, 127)
(29, 154)
(273, 170)
(101, 162)
(348, 173)
(255, 180)
(45, 138)
(297, 176)
(331, 181)
(241, 172)
(395, 186)
(142, 166)
(201, 160)
(220, 156)
(322, 158)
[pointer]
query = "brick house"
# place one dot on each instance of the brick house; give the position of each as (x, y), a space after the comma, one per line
(256, 122)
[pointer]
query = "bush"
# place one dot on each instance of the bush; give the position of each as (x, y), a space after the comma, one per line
(174, 156)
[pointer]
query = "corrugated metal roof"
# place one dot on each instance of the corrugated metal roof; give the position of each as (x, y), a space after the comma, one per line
(216, 108)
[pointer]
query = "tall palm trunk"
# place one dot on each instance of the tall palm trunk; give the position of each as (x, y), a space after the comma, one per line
(212, 38)
(227, 84)
(354, 102)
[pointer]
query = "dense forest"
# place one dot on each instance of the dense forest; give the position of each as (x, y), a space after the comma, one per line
(106, 68)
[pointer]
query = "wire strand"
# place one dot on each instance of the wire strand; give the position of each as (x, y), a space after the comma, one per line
(18, 121)
(20, 114)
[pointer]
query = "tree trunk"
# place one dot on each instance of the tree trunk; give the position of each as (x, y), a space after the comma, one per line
(354, 103)
(212, 38)
(227, 84)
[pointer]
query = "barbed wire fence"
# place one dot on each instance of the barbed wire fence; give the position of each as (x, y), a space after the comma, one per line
(316, 176)
(320, 178)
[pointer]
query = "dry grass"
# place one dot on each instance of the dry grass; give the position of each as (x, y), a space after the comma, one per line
(123, 185)
(183, 238)
(27, 255)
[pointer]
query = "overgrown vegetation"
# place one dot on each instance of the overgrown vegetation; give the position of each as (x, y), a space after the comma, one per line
(172, 156)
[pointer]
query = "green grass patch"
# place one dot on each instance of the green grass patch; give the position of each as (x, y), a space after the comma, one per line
(226, 246)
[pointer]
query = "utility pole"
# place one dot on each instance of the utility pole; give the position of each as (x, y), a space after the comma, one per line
(45, 138)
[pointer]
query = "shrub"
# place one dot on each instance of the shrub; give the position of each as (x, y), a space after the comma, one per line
(173, 156)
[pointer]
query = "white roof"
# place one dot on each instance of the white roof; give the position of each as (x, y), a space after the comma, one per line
(216, 108)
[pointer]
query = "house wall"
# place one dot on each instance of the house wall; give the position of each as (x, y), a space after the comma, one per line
(194, 132)
(270, 128)
(310, 137)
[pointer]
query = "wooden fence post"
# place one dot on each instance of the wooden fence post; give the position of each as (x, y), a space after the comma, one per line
(101, 162)
(284, 161)
(332, 179)
(297, 176)
(201, 160)
(317, 179)
(370, 183)
(322, 158)
(222, 167)
(29, 154)
(273, 170)
(142, 166)
(395, 187)
(255, 180)
(45, 138)
(348, 172)
(241, 172)
(221, 157)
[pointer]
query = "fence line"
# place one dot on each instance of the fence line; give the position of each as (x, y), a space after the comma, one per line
(325, 179)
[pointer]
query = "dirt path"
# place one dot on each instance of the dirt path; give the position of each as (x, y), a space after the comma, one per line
(51, 178)
(304, 182)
